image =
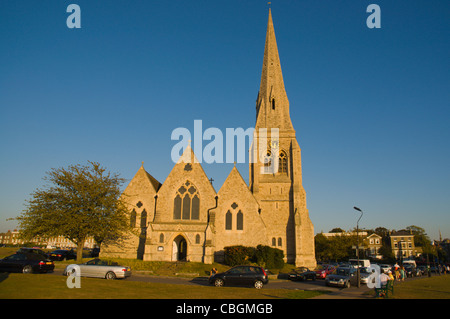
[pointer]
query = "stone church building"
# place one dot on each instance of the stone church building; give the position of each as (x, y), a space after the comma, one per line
(184, 218)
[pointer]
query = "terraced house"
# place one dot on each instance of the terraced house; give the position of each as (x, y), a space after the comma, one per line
(184, 218)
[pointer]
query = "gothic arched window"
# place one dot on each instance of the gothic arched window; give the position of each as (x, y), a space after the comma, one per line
(282, 163)
(144, 219)
(233, 211)
(133, 219)
(240, 221)
(228, 220)
(268, 163)
(186, 204)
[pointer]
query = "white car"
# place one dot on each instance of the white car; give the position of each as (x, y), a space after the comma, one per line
(100, 269)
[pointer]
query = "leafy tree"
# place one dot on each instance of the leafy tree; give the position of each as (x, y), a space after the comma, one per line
(337, 230)
(79, 202)
(334, 248)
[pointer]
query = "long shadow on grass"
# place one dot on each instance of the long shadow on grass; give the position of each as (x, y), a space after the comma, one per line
(3, 276)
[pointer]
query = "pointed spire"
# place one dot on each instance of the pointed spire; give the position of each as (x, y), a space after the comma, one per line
(272, 103)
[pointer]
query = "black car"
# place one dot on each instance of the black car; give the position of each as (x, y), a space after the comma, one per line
(241, 275)
(302, 273)
(26, 263)
(62, 254)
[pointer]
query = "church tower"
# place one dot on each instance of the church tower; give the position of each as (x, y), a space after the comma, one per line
(275, 165)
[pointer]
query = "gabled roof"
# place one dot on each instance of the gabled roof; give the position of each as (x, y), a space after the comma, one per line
(189, 162)
(235, 181)
(142, 173)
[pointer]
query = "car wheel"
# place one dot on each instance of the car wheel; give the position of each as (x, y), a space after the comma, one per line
(27, 269)
(110, 275)
(258, 284)
(218, 282)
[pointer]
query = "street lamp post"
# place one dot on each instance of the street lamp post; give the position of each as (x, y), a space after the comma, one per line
(357, 247)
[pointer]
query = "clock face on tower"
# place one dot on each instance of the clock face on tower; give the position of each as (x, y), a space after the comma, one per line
(274, 144)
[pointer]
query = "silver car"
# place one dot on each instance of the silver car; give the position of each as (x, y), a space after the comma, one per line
(100, 269)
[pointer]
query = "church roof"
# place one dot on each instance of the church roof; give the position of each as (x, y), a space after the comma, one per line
(156, 185)
(236, 181)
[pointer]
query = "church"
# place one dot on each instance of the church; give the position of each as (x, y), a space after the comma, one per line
(185, 219)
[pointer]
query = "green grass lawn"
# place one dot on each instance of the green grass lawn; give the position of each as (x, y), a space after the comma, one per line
(43, 286)
(436, 287)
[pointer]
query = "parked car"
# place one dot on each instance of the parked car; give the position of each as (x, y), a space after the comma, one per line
(94, 252)
(343, 277)
(302, 273)
(412, 271)
(100, 269)
(26, 263)
(324, 270)
(62, 254)
(241, 275)
(364, 273)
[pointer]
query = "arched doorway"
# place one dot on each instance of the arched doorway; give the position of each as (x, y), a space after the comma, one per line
(179, 249)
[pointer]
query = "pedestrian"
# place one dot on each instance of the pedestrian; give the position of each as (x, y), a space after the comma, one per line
(402, 273)
(397, 273)
(391, 277)
(383, 278)
(213, 272)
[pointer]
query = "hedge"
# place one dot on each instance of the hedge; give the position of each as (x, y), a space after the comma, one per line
(264, 256)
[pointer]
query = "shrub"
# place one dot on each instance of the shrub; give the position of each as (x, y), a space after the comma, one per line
(269, 257)
(262, 255)
(238, 255)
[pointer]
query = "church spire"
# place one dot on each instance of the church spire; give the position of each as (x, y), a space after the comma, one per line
(272, 105)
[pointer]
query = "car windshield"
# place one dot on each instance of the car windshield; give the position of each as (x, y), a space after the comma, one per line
(364, 270)
(343, 271)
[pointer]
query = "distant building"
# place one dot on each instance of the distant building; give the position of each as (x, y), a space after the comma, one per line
(12, 238)
(372, 244)
(362, 234)
(402, 244)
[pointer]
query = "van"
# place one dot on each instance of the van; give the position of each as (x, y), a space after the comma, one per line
(362, 262)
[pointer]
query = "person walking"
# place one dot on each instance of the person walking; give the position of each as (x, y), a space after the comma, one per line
(402, 273)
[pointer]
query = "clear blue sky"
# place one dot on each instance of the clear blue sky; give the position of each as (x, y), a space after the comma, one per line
(370, 106)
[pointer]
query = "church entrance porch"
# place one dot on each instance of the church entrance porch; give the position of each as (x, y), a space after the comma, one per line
(179, 249)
